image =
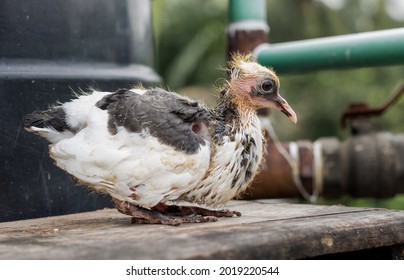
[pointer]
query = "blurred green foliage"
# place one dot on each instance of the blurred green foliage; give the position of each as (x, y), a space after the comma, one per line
(191, 50)
(190, 41)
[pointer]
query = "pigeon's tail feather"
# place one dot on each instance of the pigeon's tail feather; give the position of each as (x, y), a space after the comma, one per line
(50, 124)
(55, 118)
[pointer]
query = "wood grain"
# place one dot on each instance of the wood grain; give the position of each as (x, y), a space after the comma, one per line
(265, 231)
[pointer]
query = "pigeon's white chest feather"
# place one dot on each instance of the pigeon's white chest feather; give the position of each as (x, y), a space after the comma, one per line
(233, 166)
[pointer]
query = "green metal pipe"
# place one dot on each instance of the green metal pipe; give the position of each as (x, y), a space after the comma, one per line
(240, 10)
(377, 48)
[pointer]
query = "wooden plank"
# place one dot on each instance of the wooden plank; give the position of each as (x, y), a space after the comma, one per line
(267, 231)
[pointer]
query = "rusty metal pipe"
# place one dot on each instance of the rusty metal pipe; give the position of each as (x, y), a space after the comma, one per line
(248, 26)
(275, 179)
(369, 165)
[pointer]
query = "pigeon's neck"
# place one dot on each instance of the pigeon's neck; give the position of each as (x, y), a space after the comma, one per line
(230, 119)
(237, 154)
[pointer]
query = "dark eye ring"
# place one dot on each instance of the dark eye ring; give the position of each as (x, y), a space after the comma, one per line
(267, 86)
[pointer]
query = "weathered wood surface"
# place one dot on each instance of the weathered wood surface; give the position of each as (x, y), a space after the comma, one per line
(265, 231)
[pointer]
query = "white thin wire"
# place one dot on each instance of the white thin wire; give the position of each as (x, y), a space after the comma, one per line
(293, 161)
(317, 168)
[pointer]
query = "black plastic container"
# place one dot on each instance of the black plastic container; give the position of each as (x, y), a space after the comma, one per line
(48, 49)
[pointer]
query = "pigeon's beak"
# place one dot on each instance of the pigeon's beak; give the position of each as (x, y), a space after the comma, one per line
(283, 106)
(278, 102)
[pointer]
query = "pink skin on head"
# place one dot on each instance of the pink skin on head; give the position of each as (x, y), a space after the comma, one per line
(243, 89)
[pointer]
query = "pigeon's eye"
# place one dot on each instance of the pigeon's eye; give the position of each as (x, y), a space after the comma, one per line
(267, 86)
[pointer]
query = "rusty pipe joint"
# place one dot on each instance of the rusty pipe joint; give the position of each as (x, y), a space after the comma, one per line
(369, 165)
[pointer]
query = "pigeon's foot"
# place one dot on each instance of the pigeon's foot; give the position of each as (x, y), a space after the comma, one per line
(143, 215)
(180, 220)
(158, 215)
(183, 211)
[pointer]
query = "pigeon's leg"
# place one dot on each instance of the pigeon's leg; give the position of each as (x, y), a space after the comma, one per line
(154, 216)
(184, 211)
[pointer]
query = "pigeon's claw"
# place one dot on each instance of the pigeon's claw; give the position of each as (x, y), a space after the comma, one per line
(171, 214)
(143, 215)
(183, 211)
(174, 221)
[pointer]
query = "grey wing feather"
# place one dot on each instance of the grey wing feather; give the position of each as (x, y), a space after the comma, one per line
(166, 115)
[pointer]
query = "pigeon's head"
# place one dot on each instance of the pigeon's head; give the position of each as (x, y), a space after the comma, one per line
(254, 86)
